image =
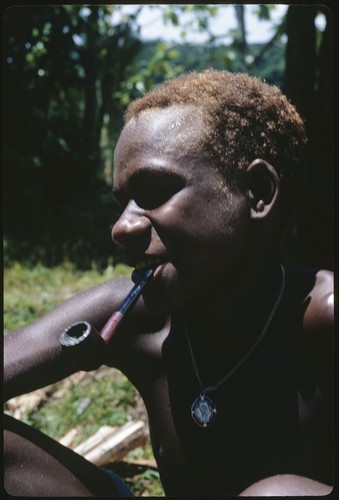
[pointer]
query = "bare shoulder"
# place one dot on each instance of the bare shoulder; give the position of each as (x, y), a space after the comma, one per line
(318, 329)
(319, 313)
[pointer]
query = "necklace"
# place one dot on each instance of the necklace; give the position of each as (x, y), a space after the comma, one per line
(203, 410)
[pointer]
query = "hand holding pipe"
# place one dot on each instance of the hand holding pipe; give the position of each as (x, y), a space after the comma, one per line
(84, 346)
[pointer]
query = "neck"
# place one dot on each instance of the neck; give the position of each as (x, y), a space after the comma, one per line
(224, 327)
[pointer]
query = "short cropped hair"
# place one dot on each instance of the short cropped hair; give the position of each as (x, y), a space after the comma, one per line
(246, 118)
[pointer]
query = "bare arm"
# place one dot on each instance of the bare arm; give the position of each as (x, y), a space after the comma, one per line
(33, 357)
(319, 329)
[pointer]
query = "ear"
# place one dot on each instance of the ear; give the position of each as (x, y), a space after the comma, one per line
(263, 186)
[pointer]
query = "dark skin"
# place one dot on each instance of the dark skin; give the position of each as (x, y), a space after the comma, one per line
(217, 270)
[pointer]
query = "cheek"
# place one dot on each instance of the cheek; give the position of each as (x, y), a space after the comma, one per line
(233, 216)
(199, 221)
(175, 222)
(220, 221)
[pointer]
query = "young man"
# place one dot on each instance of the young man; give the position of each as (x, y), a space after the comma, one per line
(230, 351)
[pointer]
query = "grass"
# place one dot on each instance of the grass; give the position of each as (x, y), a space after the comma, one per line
(30, 292)
(85, 401)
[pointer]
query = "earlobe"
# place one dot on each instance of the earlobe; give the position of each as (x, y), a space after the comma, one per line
(262, 188)
(260, 206)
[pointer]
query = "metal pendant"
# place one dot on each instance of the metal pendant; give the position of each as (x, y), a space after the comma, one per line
(203, 411)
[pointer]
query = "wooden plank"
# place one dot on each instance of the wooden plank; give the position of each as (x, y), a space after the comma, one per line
(68, 438)
(94, 441)
(111, 443)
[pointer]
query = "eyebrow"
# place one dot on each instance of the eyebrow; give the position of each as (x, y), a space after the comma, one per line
(148, 173)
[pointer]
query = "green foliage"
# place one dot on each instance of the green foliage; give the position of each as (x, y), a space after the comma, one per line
(148, 481)
(263, 11)
(157, 62)
(190, 17)
(270, 67)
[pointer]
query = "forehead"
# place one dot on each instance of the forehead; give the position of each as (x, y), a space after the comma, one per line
(176, 130)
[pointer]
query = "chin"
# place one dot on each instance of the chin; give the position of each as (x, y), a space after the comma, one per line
(169, 292)
(158, 304)
(166, 303)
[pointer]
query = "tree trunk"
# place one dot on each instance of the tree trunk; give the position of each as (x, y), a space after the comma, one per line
(309, 85)
(241, 41)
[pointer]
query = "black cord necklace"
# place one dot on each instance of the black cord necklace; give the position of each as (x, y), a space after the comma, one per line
(203, 409)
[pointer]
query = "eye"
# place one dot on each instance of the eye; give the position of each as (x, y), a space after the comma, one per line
(154, 196)
(153, 191)
(148, 189)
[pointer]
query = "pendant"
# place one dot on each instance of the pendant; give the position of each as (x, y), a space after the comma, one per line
(203, 410)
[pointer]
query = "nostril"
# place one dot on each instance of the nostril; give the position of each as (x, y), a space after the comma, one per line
(130, 226)
(120, 231)
(115, 234)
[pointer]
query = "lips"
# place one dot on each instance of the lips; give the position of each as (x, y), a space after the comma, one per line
(147, 263)
(144, 264)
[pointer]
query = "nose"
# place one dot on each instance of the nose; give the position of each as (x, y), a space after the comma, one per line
(131, 224)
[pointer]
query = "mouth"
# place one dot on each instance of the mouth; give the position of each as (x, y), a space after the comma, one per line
(144, 265)
(147, 263)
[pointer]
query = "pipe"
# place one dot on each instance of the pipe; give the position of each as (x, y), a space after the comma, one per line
(84, 346)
